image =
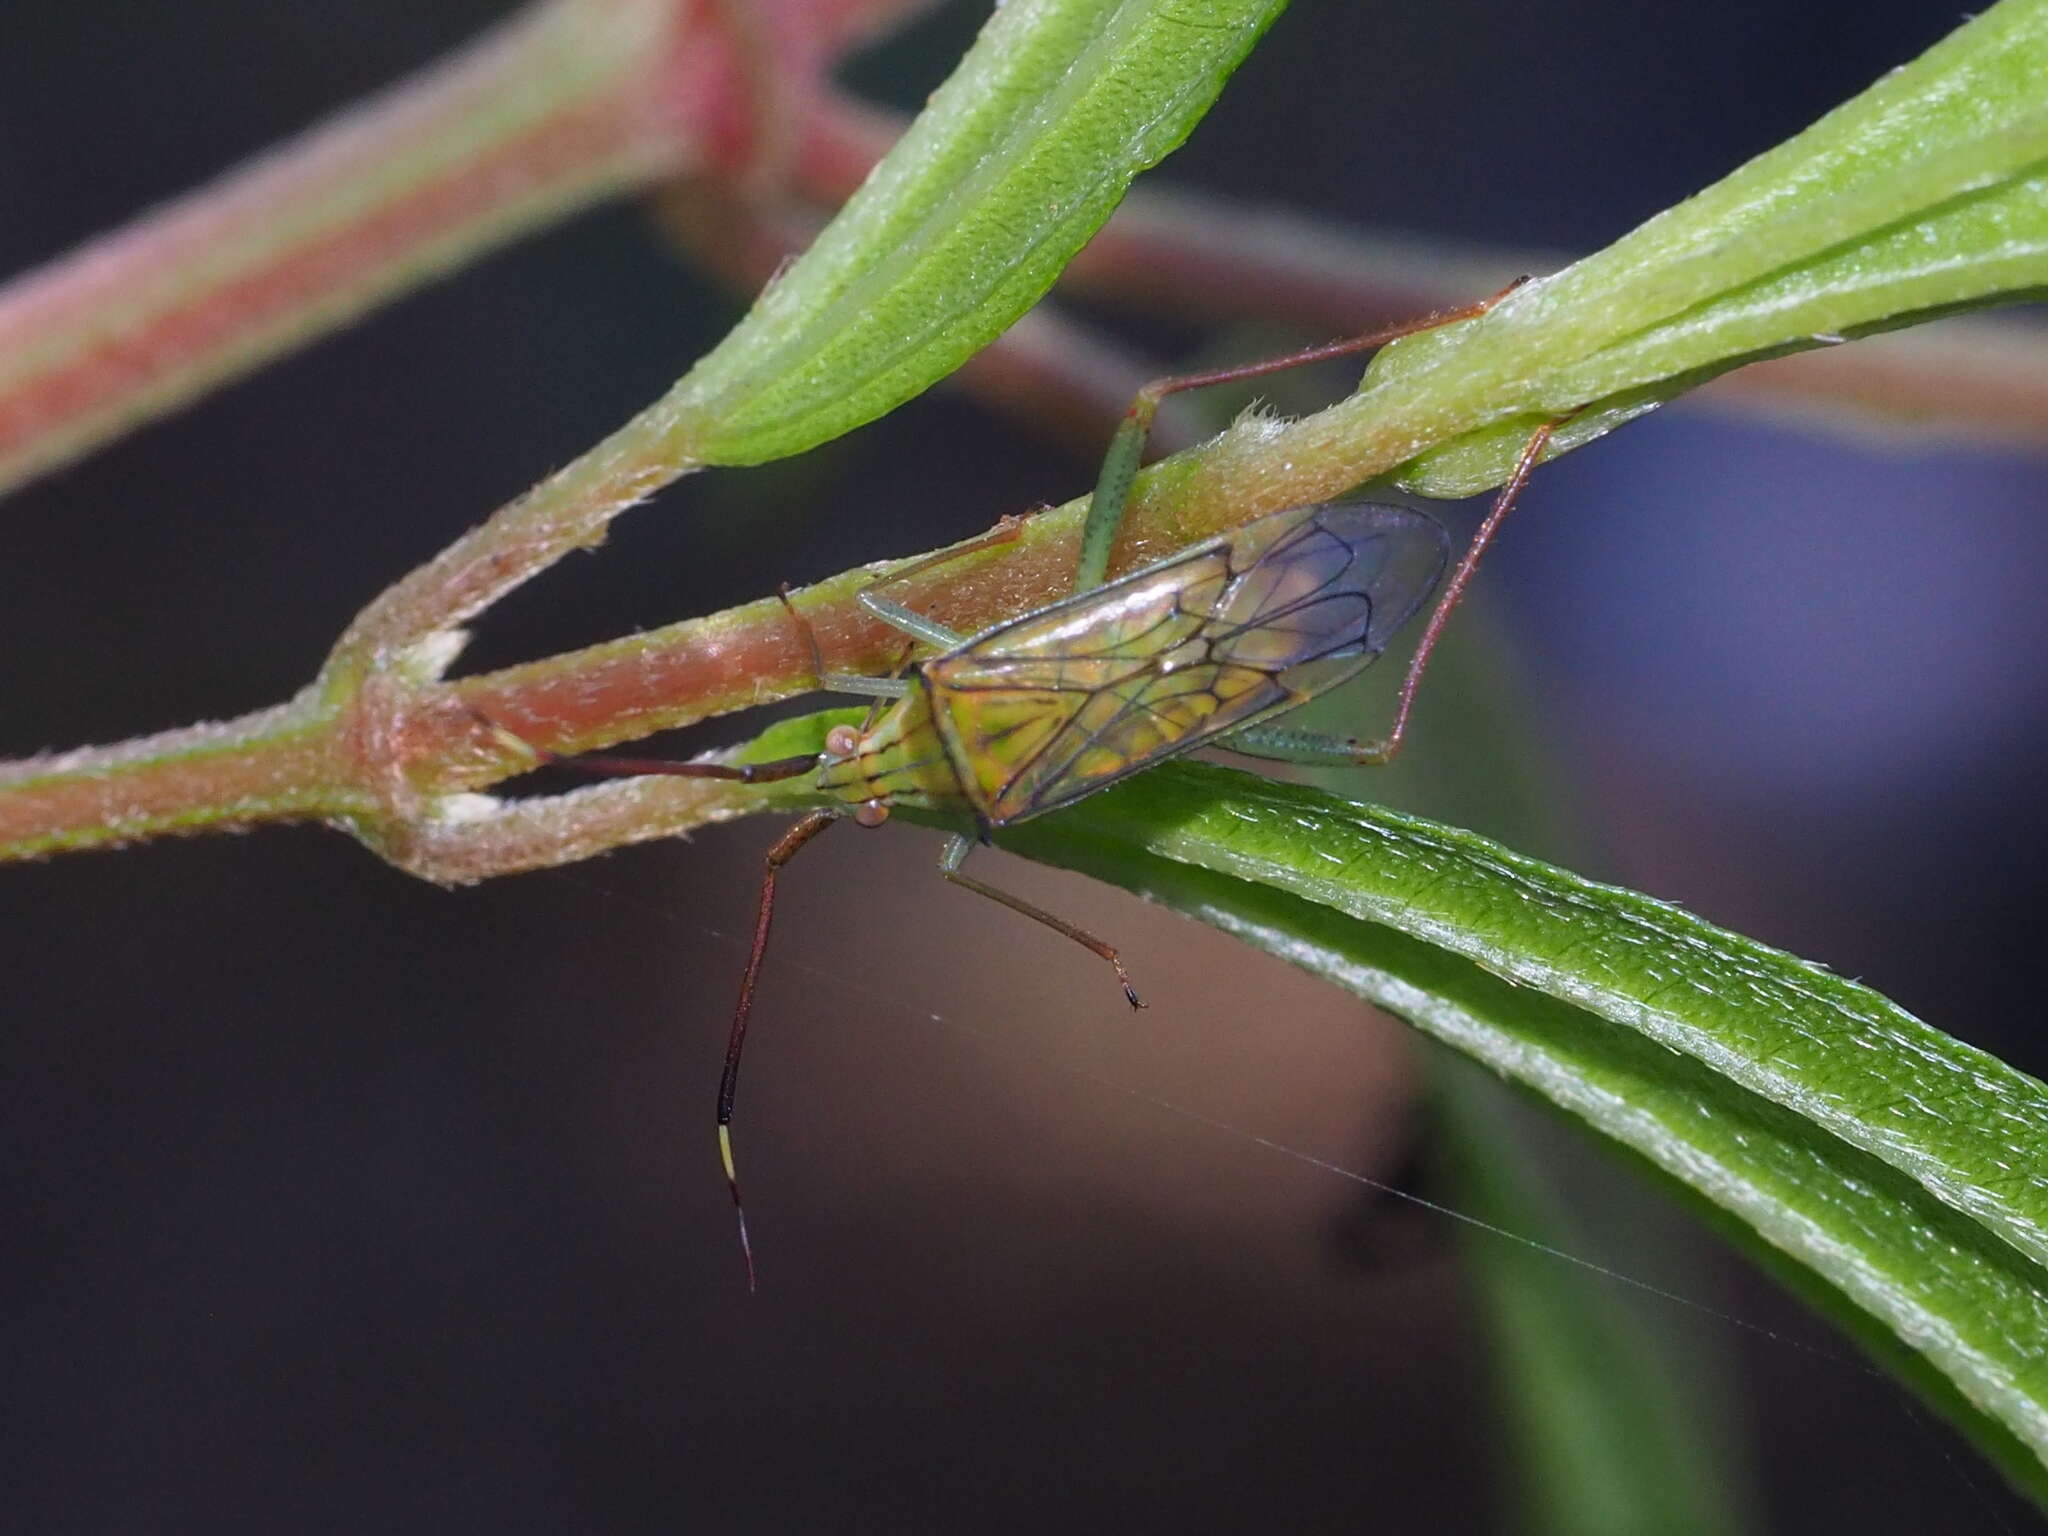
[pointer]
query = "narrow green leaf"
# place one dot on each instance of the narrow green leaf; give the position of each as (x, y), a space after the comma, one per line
(1901, 1168)
(1893, 1175)
(1927, 193)
(1011, 167)
(1613, 1412)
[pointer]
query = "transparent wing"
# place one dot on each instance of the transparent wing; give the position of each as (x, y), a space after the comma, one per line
(1340, 581)
(1043, 710)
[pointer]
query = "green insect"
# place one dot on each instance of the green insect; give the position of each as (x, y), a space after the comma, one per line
(1203, 648)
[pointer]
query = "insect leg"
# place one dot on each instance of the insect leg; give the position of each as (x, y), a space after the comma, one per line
(1282, 744)
(949, 866)
(1383, 750)
(866, 687)
(839, 682)
(729, 1082)
(1127, 447)
(605, 766)
(916, 625)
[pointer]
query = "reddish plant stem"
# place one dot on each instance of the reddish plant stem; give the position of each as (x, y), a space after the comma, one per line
(569, 102)
(461, 156)
(406, 186)
(379, 748)
(277, 765)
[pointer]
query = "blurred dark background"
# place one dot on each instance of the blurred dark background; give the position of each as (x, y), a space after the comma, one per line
(338, 1201)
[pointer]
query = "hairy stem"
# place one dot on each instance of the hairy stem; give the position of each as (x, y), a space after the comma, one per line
(570, 102)
(379, 744)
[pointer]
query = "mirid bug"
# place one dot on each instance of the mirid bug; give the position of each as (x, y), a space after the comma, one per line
(1203, 648)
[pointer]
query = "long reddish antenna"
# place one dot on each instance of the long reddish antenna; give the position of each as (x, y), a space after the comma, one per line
(609, 766)
(735, 1043)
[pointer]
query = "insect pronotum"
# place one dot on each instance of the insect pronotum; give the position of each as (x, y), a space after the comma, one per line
(1202, 648)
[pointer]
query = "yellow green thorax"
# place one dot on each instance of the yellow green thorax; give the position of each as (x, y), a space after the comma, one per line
(900, 761)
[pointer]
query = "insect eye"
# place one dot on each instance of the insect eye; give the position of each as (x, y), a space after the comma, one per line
(842, 741)
(872, 813)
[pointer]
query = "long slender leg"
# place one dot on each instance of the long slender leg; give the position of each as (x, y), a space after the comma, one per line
(1282, 744)
(949, 866)
(735, 1043)
(1383, 750)
(859, 684)
(916, 625)
(784, 850)
(607, 765)
(1127, 447)
(877, 688)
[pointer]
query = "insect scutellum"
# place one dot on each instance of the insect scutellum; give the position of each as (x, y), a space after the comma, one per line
(1202, 648)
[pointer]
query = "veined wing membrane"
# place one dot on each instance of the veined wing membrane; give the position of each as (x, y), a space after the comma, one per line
(1043, 710)
(1355, 569)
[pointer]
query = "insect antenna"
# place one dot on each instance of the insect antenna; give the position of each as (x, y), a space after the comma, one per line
(607, 766)
(729, 1081)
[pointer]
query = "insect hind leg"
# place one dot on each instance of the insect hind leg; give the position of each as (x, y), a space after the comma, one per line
(1280, 744)
(956, 854)
(608, 765)
(1127, 447)
(1371, 754)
